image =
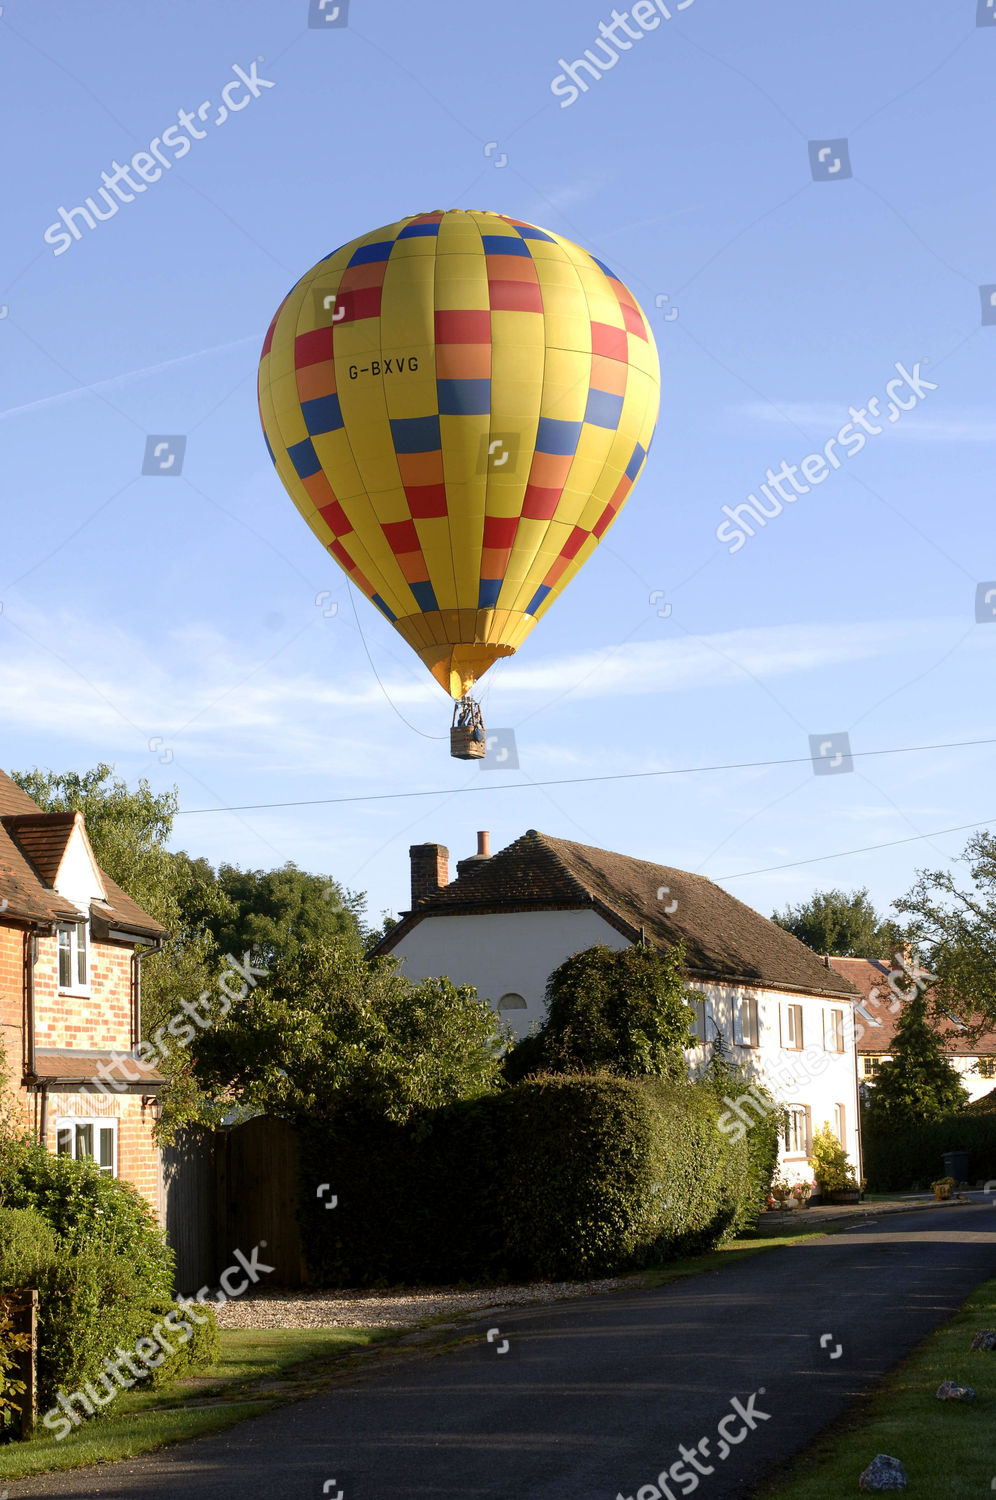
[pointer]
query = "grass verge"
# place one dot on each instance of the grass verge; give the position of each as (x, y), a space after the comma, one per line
(946, 1447)
(257, 1369)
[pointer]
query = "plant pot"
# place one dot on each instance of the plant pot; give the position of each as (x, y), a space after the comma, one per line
(846, 1195)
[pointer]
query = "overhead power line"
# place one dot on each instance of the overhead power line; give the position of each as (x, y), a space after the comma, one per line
(516, 786)
(914, 838)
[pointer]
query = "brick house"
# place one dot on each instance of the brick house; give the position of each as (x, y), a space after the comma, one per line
(71, 946)
(509, 919)
(885, 987)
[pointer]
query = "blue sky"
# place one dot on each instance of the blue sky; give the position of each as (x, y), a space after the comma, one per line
(168, 623)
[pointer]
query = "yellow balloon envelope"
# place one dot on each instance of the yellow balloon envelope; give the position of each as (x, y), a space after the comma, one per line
(459, 404)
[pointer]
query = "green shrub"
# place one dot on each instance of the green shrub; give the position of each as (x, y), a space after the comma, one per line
(831, 1164)
(559, 1176)
(87, 1209)
(89, 1303)
(202, 1350)
(91, 1247)
(27, 1242)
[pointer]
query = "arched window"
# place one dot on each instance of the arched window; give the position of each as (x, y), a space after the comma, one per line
(512, 1001)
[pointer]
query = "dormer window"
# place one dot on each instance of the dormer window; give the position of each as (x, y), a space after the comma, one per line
(74, 957)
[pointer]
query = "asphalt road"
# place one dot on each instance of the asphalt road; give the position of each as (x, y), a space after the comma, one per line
(592, 1398)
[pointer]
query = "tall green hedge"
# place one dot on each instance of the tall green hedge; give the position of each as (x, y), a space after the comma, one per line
(559, 1176)
(92, 1249)
(902, 1160)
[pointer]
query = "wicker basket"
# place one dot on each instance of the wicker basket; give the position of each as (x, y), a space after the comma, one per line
(467, 744)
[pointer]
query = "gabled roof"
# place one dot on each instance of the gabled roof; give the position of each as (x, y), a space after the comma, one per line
(882, 1007)
(724, 940)
(43, 837)
(32, 846)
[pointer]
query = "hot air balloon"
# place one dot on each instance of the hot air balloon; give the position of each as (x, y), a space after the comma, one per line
(459, 404)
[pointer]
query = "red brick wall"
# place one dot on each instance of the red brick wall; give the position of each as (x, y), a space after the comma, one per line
(100, 1020)
(138, 1156)
(12, 996)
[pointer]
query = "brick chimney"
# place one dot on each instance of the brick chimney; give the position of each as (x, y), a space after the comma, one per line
(464, 866)
(430, 871)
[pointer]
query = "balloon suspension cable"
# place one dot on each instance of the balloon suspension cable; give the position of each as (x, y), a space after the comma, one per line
(467, 736)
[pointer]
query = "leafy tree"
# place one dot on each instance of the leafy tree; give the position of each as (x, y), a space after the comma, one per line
(843, 924)
(275, 913)
(327, 1032)
(129, 831)
(624, 1011)
(917, 1083)
(953, 922)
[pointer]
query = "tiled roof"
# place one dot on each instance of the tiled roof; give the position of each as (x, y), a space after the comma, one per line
(882, 1008)
(32, 844)
(122, 1073)
(43, 838)
(724, 939)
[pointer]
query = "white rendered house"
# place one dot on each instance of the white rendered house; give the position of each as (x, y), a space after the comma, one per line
(508, 920)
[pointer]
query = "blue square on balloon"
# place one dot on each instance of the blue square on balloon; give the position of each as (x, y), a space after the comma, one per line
(463, 398)
(504, 244)
(636, 462)
(324, 414)
(384, 608)
(425, 596)
(304, 458)
(415, 434)
(603, 409)
(985, 15)
(988, 297)
(553, 435)
(327, 15)
(369, 255)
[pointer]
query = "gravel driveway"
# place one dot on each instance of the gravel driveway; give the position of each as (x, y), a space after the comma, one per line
(276, 1307)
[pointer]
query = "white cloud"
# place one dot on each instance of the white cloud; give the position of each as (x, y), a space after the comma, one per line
(972, 426)
(205, 696)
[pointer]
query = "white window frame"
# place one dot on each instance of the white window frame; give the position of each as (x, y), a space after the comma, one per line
(833, 1030)
(840, 1124)
(74, 1125)
(73, 942)
(745, 1023)
(792, 1027)
(796, 1123)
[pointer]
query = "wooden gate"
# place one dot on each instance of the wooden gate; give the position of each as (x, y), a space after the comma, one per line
(232, 1190)
(256, 1176)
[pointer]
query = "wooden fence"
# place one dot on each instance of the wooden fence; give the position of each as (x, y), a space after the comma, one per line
(232, 1190)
